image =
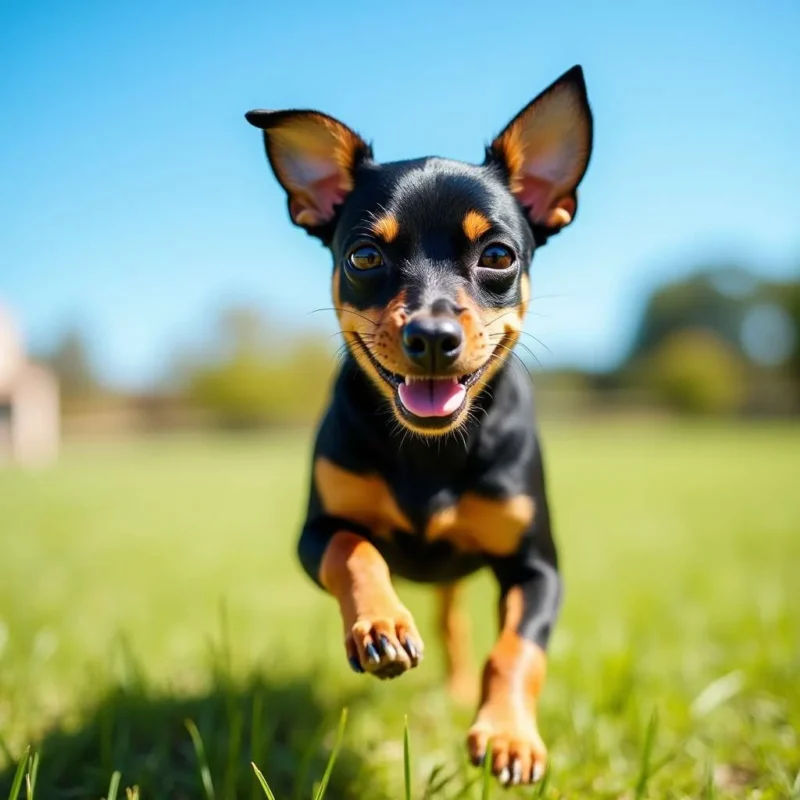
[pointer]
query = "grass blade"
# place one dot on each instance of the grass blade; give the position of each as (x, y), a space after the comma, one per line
(262, 780)
(19, 775)
(545, 781)
(255, 735)
(796, 788)
(486, 786)
(435, 784)
(647, 752)
(466, 789)
(113, 787)
(710, 789)
(205, 772)
(332, 760)
(33, 771)
(235, 725)
(407, 759)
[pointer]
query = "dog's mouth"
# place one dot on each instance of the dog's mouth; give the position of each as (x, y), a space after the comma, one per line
(437, 399)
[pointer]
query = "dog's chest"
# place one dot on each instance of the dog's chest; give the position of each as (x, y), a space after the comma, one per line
(469, 521)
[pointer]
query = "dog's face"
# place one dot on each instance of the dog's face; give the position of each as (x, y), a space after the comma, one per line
(431, 257)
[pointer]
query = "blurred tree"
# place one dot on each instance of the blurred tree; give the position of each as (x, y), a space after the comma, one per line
(242, 330)
(255, 376)
(724, 326)
(786, 295)
(71, 362)
(696, 372)
(714, 300)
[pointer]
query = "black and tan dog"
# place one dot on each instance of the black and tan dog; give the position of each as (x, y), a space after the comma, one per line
(427, 463)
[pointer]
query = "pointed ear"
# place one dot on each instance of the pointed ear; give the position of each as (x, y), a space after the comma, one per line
(313, 157)
(544, 152)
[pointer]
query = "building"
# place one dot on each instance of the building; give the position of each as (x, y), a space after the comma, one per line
(29, 406)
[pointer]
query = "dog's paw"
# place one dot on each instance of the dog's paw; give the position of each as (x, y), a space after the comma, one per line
(516, 750)
(385, 645)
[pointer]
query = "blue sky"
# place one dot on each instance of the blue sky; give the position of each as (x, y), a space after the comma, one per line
(135, 200)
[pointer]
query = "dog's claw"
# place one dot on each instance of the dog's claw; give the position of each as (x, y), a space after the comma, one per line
(380, 644)
(411, 649)
(388, 648)
(355, 665)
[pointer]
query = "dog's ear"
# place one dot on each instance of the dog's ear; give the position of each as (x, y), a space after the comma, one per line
(313, 157)
(544, 152)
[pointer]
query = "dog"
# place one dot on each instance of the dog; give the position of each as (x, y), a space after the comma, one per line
(427, 463)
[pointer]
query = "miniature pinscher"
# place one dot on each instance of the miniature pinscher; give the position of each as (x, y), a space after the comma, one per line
(427, 463)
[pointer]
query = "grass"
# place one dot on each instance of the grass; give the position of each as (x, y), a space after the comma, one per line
(149, 583)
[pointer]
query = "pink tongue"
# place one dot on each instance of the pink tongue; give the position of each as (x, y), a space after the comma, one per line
(431, 398)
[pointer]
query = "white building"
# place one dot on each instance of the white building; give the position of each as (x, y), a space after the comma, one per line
(29, 408)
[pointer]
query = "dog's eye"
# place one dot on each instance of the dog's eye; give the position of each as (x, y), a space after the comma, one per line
(366, 257)
(497, 256)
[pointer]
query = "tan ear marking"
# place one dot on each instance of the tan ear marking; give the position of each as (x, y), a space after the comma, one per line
(475, 225)
(558, 218)
(306, 217)
(545, 151)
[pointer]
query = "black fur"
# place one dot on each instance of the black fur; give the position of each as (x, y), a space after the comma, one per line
(498, 456)
(496, 452)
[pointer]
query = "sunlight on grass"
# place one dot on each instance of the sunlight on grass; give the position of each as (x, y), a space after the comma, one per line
(672, 673)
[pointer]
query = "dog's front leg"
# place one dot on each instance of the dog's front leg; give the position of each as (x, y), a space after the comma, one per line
(514, 675)
(380, 635)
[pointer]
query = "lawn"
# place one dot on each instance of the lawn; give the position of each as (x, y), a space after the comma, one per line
(150, 582)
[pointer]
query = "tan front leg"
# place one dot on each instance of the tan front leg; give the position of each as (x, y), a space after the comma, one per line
(380, 634)
(512, 681)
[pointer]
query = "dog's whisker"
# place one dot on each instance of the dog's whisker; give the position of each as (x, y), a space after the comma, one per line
(504, 314)
(537, 340)
(522, 344)
(343, 311)
(516, 355)
(535, 357)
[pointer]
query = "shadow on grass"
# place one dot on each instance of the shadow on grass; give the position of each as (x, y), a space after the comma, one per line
(284, 727)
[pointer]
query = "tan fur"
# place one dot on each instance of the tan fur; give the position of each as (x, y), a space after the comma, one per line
(512, 682)
(365, 499)
(475, 225)
(490, 334)
(543, 133)
(456, 633)
(386, 227)
(482, 524)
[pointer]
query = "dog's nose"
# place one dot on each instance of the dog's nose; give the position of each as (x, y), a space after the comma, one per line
(433, 343)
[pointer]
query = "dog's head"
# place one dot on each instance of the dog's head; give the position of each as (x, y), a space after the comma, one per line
(431, 257)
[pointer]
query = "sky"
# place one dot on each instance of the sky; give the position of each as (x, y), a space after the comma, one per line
(136, 202)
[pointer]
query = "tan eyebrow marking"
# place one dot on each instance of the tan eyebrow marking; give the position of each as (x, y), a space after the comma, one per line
(475, 225)
(387, 227)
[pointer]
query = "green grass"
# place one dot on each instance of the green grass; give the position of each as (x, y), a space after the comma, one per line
(147, 584)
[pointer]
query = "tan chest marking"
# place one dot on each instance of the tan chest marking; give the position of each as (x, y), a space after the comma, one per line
(365, 499)
(478, 523)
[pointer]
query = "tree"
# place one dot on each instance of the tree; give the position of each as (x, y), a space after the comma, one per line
(71, 362)
(253, 377)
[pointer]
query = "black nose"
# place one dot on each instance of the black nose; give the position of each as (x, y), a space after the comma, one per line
(433, 343)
